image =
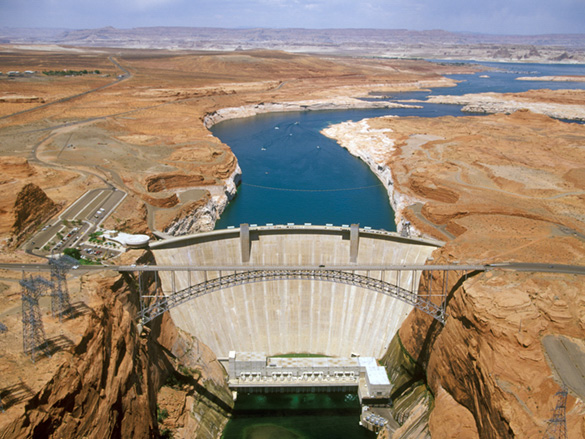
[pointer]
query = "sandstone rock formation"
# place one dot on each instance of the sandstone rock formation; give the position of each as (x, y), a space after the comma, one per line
(560, 104)
(109, 385)
(107, 389)
(31, 208)
(497, 188)
(16, 99)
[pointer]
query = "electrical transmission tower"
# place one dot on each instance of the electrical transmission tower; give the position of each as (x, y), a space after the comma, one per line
(33, 332)
(557, 425)
(60, 304)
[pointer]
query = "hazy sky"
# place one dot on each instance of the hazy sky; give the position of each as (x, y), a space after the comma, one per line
(486, 16)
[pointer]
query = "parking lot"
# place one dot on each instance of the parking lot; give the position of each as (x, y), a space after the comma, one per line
(77, 227)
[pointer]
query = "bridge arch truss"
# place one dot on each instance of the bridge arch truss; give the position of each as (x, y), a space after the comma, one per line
(428, 295)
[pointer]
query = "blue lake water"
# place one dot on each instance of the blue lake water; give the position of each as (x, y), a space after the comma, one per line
(293, 174)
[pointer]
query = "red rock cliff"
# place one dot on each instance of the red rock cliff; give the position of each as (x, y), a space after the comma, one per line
(109, 386)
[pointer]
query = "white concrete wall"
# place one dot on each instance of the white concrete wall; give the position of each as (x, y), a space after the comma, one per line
(278, 317)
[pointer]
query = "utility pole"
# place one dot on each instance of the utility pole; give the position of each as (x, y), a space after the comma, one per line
(557, 425)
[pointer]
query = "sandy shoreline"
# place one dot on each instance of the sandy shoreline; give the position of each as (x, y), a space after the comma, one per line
(373, 147)
(339, 103)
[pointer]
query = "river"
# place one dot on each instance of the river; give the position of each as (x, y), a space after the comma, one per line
(293, 174)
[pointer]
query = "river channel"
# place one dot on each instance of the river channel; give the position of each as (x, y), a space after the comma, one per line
(293, 174)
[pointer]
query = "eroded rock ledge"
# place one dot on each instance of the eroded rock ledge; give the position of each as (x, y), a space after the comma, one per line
(201, 215)
(338, 103)
(509, 103)
(373, 146)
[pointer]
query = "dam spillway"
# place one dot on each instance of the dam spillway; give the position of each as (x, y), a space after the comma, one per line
(283, 316)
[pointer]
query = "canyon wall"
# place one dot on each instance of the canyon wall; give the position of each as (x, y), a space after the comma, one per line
(108, 385)
(496, 188)
(200, 216)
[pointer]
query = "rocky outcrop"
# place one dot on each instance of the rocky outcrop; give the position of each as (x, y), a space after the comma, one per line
(509, 103)
(487, 361)
(411, 399)
(552, 78)
(108, 387)
(165, 202)
(374, 147)
(201, 215)
(507, 188)
(15, 168)
(17, 99)
(199, 407)
(168, 181)
(31, 208)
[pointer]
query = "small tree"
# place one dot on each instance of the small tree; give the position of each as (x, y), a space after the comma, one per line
(73, 252)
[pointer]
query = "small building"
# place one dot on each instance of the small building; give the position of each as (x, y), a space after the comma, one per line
(376, 385)
(256, 370)
(126, 239)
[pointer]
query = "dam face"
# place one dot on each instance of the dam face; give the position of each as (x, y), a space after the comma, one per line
(284, 316)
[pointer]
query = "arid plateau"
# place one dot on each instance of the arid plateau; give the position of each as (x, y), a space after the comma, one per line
(505, 183)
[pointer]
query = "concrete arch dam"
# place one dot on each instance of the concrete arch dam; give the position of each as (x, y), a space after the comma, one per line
(292, 315)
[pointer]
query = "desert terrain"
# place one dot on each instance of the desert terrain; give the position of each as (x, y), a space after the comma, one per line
(387, 43)
(504, 187)
(499, 188)
(139, 126)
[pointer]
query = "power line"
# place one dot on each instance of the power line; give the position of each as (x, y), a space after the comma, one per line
(557, 425)
(311, 190)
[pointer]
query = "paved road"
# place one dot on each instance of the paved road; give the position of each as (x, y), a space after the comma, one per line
(534, 268)
(539, 268)
(568, 359)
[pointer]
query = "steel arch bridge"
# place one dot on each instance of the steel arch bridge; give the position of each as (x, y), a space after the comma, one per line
(158, 303)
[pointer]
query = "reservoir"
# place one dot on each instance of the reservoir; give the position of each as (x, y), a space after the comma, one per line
(293, 174)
